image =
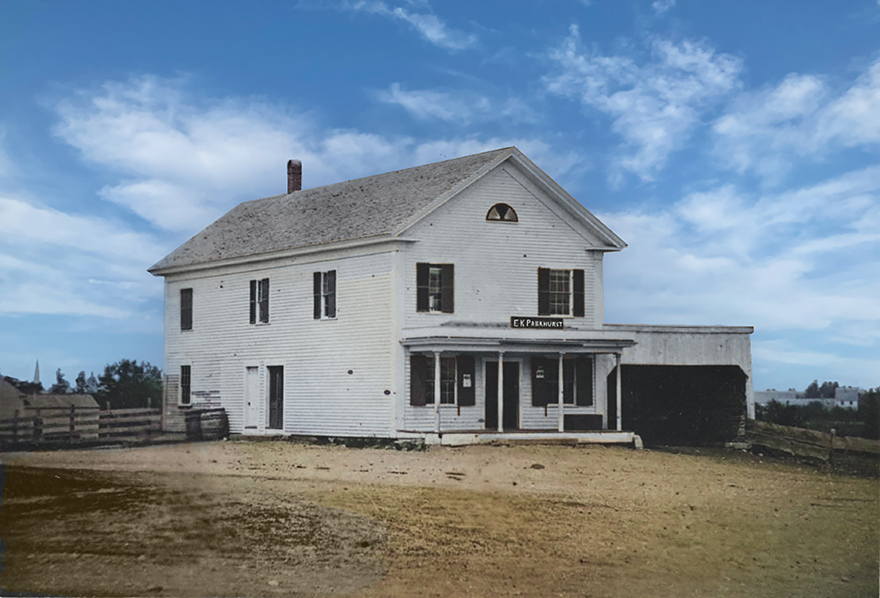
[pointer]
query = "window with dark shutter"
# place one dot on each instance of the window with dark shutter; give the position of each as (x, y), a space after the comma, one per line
(584, 381)
(253, 302)
(561, 292)
(435, 288)
(421, 380)
(324, 292)
(467, 396)
(259, 304)
(545, 377)
(186, 309)
(264, 300)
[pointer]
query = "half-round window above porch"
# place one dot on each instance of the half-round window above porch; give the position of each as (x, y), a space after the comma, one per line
(501, 212)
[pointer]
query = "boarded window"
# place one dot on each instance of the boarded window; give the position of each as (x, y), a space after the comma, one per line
(186, 309)
(185, 385)
(324, 290)
(259, 306)
(560, 292)
(435, 288)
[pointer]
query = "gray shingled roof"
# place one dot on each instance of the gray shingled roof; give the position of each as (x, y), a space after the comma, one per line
(371, 206)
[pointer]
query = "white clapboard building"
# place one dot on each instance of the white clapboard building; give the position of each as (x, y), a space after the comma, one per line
(443, 302)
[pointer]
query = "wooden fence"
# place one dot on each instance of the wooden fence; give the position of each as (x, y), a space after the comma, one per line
(841, 452)
(79, 424)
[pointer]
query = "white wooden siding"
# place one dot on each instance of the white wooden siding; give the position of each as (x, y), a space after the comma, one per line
(496, 263)
(320, 397)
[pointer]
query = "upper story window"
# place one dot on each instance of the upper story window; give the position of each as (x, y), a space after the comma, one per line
(325, 294)
(260, 301)
(186, 309)
(560, 292)
(501, 212)
(435, 285)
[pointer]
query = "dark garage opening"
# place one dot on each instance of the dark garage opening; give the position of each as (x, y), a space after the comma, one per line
(680, 405)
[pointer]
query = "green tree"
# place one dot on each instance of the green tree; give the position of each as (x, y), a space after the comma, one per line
(81, 383)
(128, 384)
(826, 391)
(812, 391)
(61, 385)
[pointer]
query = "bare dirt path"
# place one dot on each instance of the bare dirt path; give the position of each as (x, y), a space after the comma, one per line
(284, 519)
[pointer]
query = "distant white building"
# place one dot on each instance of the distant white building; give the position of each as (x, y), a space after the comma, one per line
(844, 396)
(462, 297)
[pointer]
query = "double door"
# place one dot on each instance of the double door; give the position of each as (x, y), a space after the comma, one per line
(510, 399)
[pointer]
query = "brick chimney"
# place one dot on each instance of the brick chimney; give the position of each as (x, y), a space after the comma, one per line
(294, 176)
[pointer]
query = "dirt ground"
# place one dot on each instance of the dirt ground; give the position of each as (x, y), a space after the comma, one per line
(286, 519)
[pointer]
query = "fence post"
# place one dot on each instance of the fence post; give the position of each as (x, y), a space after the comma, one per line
(15, 426)
(831, 449)
(72, 418)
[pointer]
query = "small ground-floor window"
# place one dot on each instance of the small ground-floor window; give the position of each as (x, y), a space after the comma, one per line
(457, 383)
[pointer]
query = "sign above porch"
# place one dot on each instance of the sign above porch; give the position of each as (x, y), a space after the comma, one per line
(521, 322)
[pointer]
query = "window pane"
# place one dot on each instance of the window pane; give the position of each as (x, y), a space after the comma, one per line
(435, 288)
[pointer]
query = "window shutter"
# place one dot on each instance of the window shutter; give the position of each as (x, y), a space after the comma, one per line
(317, 295)
(330, 281)
(264, 300)
(467, 396)
(418, 380)
(544, 389)
(584, 375)
(578, 293)
(543, 291)
(253, 302)
(422, 287)
(186, 303)
(447, 288)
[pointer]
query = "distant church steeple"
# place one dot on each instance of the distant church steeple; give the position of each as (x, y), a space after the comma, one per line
(37, 373)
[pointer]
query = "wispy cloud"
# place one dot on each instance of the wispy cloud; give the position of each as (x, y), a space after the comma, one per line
(48, 259)
(776, 261)
(662, 6)
(462, 107)
(801, 117)
(183, 159)
(426, 23)
(654, 103)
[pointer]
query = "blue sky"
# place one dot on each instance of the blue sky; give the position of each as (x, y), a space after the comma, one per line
(733, 145)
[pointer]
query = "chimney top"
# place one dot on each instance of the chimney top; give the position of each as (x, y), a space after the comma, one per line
(294, 175)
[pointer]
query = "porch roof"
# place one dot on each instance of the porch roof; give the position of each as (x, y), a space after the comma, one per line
(504, 344)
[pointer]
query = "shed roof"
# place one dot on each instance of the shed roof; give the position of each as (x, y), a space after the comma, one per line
(356, 209)
(62, 401)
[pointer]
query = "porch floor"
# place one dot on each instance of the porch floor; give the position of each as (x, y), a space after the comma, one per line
(461, 438)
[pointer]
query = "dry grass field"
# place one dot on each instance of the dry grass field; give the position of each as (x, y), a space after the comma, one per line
(285, 519)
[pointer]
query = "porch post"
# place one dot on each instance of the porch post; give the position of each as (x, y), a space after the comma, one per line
(560, 395)
(500, 391)
(619, 397)
(437, 392)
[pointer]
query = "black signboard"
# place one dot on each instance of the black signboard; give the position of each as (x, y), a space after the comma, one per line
(521, 322)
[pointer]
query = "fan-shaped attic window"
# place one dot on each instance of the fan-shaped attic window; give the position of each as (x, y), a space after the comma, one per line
(501, 212)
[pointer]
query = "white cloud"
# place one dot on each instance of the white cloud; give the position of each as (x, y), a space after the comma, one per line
(47, 258)
(429, 26)
(654, 105)
(779, 261)
(430, 104)
(662, 6)
(183, 160)
(458, 107)
(801, 117)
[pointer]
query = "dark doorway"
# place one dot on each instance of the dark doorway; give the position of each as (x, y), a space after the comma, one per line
(511, 395)
(680, 405)
(276, 397)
